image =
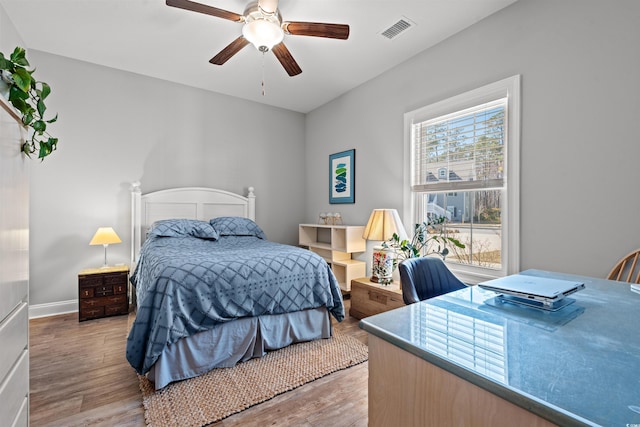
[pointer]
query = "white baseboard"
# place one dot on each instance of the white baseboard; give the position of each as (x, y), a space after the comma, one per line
(52, 309)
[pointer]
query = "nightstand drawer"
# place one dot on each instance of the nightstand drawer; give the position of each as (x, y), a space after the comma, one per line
(120, 289)
(110, 310)
(92, 312)
(92, 281)
(368, 298)
(391, 301)
(378, 297)
(87, 293)
(116, 299)
(115, 279)
(102, 291)
(89, 303)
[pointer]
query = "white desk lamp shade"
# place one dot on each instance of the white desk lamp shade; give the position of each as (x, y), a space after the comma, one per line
(382, 225)
(105, 236)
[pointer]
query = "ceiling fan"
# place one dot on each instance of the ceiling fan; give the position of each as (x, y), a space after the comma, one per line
(265, 29)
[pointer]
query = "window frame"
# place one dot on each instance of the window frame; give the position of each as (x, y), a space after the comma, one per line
(509, 87)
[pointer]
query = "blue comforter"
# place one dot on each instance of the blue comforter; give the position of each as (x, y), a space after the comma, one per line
(186, 285)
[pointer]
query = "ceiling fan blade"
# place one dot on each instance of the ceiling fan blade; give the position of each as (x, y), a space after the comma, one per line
(207, 10)
(225, 54)
(269, 6)
(284, 56)
(317, 29)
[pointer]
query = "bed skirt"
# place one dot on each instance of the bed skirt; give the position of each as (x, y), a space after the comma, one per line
(238, 341)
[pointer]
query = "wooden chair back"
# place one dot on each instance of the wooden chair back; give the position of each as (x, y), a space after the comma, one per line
(627, 269)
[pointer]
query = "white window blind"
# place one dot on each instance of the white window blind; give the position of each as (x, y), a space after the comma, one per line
(462, 150)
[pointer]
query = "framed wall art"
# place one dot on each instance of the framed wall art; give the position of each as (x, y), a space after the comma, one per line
(342, 184)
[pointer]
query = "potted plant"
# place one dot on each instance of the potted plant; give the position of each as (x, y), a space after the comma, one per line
(27, 95)
(428, 238)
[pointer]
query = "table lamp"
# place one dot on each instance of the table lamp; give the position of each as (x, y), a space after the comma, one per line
(105, 236)
(382, 224)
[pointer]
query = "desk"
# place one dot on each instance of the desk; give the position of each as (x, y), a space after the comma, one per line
(465, 359)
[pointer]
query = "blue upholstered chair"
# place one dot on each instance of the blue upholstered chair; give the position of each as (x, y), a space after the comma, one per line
(426, 277)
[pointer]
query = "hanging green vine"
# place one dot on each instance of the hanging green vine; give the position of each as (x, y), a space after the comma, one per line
(27, 95)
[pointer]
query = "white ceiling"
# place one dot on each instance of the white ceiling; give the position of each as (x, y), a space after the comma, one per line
(149, 38)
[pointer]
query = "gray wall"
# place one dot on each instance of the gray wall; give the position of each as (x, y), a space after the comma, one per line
(580, 71)
(117, 127)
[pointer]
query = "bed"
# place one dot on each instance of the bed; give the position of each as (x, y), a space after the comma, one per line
(212, 291)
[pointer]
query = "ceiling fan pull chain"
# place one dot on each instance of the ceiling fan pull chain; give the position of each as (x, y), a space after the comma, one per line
(263, 91)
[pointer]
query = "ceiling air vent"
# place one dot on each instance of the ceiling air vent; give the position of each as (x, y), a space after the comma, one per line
(402, 25)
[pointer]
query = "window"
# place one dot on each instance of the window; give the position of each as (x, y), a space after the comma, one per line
(462, 164)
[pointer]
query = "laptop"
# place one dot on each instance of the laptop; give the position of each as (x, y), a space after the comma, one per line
(544, 290)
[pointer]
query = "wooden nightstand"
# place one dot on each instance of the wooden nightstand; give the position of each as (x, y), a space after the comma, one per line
(368, 298)
(103, 292)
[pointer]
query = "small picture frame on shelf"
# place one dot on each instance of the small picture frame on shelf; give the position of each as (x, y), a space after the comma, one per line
(342, 188)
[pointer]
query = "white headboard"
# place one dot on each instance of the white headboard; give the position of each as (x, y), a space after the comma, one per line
(188, 202)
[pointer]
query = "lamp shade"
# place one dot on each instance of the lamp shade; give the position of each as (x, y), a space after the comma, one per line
(382, 224)
(105, 236)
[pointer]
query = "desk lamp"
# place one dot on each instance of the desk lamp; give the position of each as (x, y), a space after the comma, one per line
(382, 224)
(105, 236)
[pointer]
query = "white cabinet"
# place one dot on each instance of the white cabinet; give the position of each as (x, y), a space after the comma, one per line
(336, 244)
(14, 272)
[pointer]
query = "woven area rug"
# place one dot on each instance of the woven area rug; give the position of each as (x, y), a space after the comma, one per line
(226, 391)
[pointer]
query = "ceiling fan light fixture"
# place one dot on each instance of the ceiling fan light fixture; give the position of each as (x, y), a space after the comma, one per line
(263, 34)
(264, 28)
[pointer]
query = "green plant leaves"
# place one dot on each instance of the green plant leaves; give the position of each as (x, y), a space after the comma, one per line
(47, 147)
(27, 95)
(41, 107)
(45, 91)
(19, 56)
(22, 79)
(428, 238)
(5, 64)
(39, 126)
(27, 118)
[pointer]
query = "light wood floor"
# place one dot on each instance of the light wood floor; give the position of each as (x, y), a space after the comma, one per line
(80, 377)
